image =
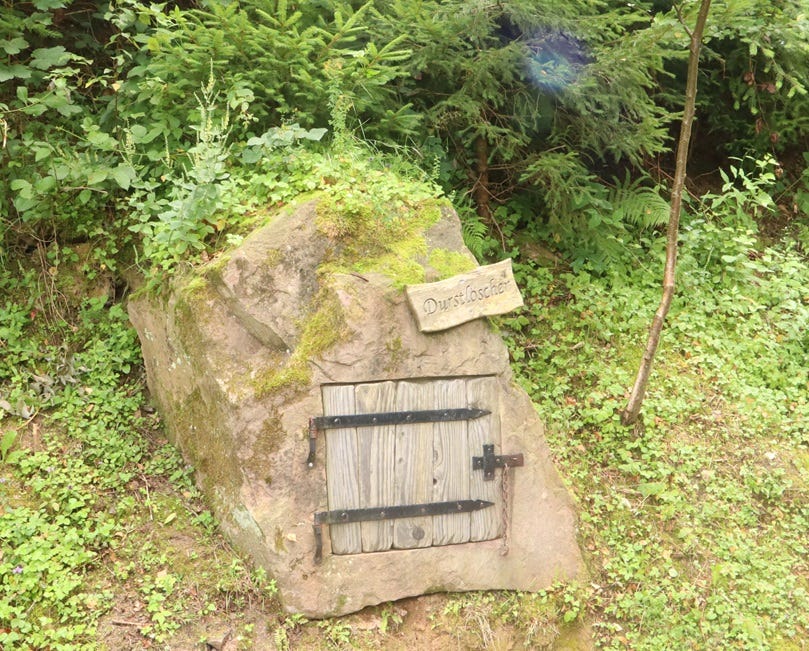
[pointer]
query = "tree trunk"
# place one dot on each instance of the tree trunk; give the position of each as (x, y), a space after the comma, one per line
(481, 192)
(632, 410)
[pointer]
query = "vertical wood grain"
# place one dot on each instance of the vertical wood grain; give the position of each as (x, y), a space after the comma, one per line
(376, 461)
(452, 464)
(417, 463)
(414, 465)
(482, 394)
(342, 470)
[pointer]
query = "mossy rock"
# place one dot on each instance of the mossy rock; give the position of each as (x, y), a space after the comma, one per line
(241, 353)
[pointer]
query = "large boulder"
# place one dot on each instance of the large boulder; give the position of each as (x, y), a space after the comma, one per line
(304, 319)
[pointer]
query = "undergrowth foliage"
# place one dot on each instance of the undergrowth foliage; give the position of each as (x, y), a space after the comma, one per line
(78, 454)
(49, 539)
(695, 522)
(528, 102)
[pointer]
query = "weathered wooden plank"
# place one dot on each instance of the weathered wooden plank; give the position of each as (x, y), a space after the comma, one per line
(484, 291)
(376, 461)
(452, 463)
(413, 474)
(481, 393)
(342, 469)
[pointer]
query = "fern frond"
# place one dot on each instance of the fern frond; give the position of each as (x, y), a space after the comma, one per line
(638, 204)
(474, 233)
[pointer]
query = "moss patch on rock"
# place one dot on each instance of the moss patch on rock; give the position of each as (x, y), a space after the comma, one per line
(375, 240)
(375, 221)
(396, 351)
(378, 226)
(400, 262)
(217, 471)
(322, 329)
(269, 441)
(197, 286)
(448, 263)
(193, 294)
(274, 257)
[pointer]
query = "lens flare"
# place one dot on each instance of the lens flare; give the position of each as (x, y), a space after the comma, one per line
(555, 60)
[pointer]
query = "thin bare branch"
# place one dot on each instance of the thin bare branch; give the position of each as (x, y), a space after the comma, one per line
(633, 407)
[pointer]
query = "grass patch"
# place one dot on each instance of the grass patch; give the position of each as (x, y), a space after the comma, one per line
(695, 520)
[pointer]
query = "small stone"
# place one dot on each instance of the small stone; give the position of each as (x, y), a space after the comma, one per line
(218, 639)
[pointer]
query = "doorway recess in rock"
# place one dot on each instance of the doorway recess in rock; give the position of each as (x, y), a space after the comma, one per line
(387, 460)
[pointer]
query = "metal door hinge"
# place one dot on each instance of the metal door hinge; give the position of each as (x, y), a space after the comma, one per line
(375, 514)
(320, 423)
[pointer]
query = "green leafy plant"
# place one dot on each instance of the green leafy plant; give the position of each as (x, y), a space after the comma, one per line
(389, 619)
(747, 193)
(338, 633)
(164, 612)
(282, 631)
(60, 170)
(176, 226)
(763, 74)
(287, 60)
(678, 513)
(7, 441)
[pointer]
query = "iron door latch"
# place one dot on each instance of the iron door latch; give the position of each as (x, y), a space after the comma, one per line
(489, 461)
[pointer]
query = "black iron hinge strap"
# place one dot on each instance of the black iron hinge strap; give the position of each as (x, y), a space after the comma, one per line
(398, 418)
(374, 514)
(320, 423)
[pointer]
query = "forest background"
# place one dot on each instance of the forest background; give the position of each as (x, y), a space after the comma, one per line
(139, 139)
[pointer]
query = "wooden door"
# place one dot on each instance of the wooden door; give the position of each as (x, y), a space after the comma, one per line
(418, 463)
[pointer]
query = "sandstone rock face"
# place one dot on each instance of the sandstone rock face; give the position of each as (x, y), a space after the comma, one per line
(241, 354)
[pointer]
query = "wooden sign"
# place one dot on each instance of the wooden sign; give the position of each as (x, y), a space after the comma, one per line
(485, 291)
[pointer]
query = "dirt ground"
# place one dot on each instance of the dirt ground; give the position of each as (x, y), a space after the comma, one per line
(415, 623)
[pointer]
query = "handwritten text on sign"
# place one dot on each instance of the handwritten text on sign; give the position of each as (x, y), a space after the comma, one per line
(485, 291)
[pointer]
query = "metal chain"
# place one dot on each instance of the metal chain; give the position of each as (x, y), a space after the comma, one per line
(506, 495)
